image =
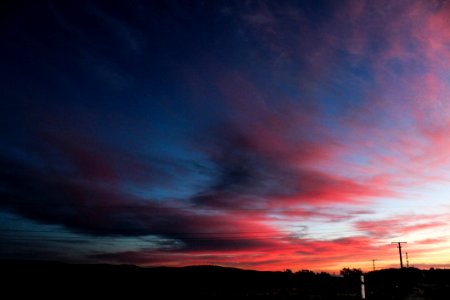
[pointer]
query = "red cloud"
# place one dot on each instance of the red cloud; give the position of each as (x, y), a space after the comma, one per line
(319, 255)
(432, 241)
(282, 147)
(400, 225)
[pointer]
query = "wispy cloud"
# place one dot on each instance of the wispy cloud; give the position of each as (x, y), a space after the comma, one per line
(258, 134)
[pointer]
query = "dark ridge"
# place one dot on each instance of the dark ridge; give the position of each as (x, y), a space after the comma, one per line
(60, 280)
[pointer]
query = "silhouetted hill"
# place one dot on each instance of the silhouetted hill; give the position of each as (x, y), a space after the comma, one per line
(59, 280)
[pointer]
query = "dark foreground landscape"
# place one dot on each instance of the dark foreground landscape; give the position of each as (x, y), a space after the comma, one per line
(57, 280)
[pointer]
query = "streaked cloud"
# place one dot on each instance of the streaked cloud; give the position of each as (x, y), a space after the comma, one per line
(251, 134)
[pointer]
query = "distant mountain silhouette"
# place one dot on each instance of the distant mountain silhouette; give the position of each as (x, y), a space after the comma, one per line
(48, 279)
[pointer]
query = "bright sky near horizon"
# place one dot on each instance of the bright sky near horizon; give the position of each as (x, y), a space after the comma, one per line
(255, 134)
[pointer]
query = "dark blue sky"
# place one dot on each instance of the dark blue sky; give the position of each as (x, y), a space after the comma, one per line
(227, 132)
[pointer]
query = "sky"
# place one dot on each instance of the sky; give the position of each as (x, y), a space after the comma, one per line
(264, 135)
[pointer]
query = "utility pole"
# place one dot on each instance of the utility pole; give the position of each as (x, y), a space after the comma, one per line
(400, 252)
(373, 263)
(407, 260)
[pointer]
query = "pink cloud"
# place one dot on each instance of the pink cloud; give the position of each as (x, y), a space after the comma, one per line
(399, 126)
(272, 152)
(432, 241)
(401, 225)
(301, 254)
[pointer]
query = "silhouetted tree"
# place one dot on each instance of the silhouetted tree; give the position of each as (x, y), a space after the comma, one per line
(351, 273)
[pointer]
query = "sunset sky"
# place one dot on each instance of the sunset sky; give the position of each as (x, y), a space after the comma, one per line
(254, 134)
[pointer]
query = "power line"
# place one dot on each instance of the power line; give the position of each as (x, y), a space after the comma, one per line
(22, 233)
(250, 235)
(355, 230)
